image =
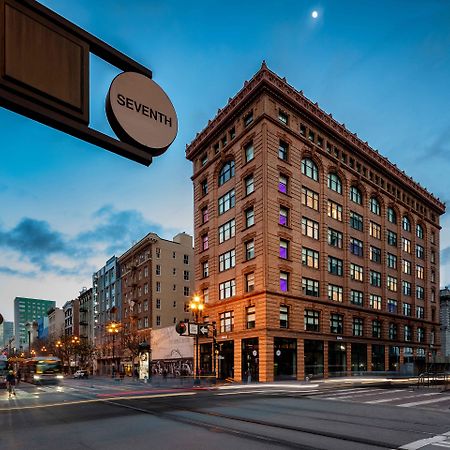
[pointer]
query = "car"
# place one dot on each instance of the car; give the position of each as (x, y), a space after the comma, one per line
(81, 374)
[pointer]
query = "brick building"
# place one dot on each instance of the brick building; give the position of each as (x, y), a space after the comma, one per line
(314, 254)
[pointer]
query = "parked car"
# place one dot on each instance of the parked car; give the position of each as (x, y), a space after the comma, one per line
(81, 374)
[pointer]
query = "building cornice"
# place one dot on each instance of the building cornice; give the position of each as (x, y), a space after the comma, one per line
(265, 78)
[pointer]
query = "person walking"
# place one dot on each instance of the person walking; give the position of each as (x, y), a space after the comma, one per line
(11, 383)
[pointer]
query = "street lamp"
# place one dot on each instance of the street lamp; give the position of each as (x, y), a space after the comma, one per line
(113, 329)
(196, 306)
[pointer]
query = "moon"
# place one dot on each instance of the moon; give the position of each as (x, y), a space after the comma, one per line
(314, 14)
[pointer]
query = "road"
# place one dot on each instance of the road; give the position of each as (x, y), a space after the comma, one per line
(100, 414)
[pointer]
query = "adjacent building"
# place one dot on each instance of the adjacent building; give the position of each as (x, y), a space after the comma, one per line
(55, 323)
(7, 336)
(71, 311)
(445, 321)
(86, 310)
(314, 254)
(27, 311)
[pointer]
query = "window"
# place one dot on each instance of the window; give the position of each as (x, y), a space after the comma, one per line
(376, 328)
(335, 238)
(406, 245)
(158, 270)
(204, 159)
(391, 216)
(309, 169)
(406, 266)
(205, 293)
(232, 133)
(204, 187)
(420, 272)
(392, 283)
(185, 275)
(356, 297)
(249, 249)
(284, 281)
(205, 269)
(249, 152)
(356, 247)
(312, 320)
(375, 207)
(375, 230)
(335, 266)
(251, 316)
(420, 252)
(334, 210)
(432, 255)
(283, 181)
(249, 217)
(284, 216)
(248, 119)
(375, 278)
(356, 272)
(283, 151)
(226, 321)
(420, 334)
(227, 231)
(320, 141)
(227, 201)
(356, 221)
(284, 316)
(420, 312)
(335, 293)
(205, 215)
(355, 195)
(392, 238)
(433, 237)
(310, 258)
(249, 282)
(311, 135)
(185, 260)
(310, 287)
(392, 305)
(375, 254)
(408, 333)
(358, 326)
(310, 198)
(393, 331)
(249, 185)
(227, 289)
(158, 286)
(284, 248)
(310, 228)
(391, 261)
(158, 252)
(205, 242)
(334, 183)
(375, 301)
(227, 260)
(226, 172)
(158, 321)
(302, 129)
(406, 224)
(283, 117)
(337, 323)
(406, 288)
(420, 292)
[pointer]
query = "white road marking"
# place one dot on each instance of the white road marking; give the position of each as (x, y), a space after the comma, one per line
(443, 444)
(385, 400)
(425, 402)
(435, 440)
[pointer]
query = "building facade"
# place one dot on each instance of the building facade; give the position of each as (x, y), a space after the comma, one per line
(445, 321)
(28, 310)
(157, 282)
(55, 323)
(86, 308)
(7, 336)
(72, 318)
(315, 255)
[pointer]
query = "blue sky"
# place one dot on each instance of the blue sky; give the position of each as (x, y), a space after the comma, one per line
(381, 67)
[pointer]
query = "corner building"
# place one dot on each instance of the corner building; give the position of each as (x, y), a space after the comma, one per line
(314, 254)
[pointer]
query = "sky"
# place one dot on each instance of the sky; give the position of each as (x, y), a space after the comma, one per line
(380, 67)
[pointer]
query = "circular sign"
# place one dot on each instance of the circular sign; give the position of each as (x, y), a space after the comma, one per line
(141, 113)
(278, 352)
(255, 353)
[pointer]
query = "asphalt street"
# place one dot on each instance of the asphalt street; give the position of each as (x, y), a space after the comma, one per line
(103, 414)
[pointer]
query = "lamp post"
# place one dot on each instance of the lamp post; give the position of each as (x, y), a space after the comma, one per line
(75, 341)
(196, 306)
(113, 329)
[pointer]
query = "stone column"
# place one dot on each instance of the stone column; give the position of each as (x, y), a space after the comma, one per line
(300, 360)
(238, 359)
(266, 358)
(325, 359)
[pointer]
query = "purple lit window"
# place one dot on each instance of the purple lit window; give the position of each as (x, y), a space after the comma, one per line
(205, 242)
(284, 281)
(284, 212)
(284, 245)
(282, 184)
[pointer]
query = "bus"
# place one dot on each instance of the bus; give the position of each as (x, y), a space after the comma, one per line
(42, 369)
(4, 366)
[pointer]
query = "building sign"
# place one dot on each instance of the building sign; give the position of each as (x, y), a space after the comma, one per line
(141, 113)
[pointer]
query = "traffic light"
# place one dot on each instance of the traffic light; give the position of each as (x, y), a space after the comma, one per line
(181, 328)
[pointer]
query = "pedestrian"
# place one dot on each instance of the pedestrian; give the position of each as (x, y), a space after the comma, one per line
(11, 383)
(18, 376)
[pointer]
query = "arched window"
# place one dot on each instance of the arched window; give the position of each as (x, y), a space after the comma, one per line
(391, 216)
(226, 172)
(419, 231)
(355, 195)
(375, 206)
(334, 183)
(406, 224)
(310, 169)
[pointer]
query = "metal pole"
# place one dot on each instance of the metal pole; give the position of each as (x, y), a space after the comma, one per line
(113, 355)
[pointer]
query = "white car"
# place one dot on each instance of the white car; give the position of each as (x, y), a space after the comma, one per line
(81, 374)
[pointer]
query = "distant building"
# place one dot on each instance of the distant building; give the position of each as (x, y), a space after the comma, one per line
(6, 335)
(86, 315)
(72, 318)
(28, 310)
(445, 321)
(42, 330)
(55, 323)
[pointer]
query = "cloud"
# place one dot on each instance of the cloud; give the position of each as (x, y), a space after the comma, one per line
(14, 272)
(439, 148)
(445, 255)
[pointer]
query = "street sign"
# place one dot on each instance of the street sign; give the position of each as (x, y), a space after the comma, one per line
(203, 330)
(193, 329)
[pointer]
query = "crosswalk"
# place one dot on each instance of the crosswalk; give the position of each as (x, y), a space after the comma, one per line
(405, 398)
